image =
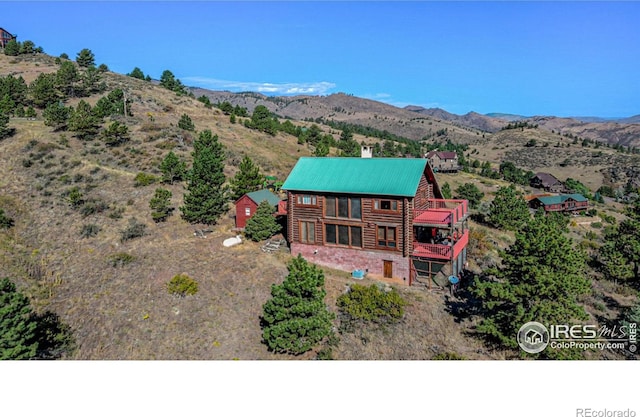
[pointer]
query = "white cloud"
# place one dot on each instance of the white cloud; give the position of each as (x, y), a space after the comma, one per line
(313, 88)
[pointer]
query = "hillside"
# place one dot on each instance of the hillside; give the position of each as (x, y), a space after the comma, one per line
(112, 292)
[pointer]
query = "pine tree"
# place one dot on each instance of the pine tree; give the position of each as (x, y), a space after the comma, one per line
(246, 180)
(56, 115)
(469, 191)
(5, 130)
(12, 48)
(446, 190)
(205, 200)
(85, 58)
(541, 278)
(186, 123)
(160, 205)
(43, 90)
(137, 73)
(116, 134)
(508, 210)
(83, 121)
(620, 254)
(261, 120)
(173, 168)
(262, 225)
(17, 328)
(296, 318)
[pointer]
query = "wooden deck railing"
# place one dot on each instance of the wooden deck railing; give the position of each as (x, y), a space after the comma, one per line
(457, 208)
(431, 250)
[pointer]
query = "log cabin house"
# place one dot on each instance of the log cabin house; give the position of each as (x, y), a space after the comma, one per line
(5, 37)
(547, 182)
(385, 216)
(560, 203)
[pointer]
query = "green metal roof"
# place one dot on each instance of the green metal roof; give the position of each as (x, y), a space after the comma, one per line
(261, 195)
(558, 199)
(377, 176)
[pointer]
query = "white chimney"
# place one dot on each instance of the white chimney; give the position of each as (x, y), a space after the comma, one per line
(366, 151)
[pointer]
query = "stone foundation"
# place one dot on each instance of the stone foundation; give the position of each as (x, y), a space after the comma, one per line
(351, 259)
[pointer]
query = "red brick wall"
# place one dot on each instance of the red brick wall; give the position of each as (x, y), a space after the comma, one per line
(350, 259)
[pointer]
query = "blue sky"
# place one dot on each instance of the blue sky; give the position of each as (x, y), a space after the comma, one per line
(528, 58)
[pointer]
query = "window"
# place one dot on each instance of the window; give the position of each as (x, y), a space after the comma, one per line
(307, 232)
(307, 200)
(344, 207)
(247, 211)
(343, 235)
(387, 236)
(385, 205)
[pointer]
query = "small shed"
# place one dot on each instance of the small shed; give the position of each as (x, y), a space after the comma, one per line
(247, 205)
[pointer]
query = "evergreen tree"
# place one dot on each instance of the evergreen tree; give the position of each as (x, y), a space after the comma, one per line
(91, 84)
(66, 78)
(262, 225)
(186, 123)
(15, 88)
(27, 47)
(116, 134)
(620, 254)
(83, 121)
(17, 328)
(12, 48)
(508, 209)
(446, 190)
(261, 120)
(137, 73)
(170, 82)
(541, 278)
(173, 168)
(43, 90)
(5, 130)
(160, 205)
(247, 179)
(296, 318)
(469, 191)
(205, 200)
(56, 115)
(85, 58)
(321, 150)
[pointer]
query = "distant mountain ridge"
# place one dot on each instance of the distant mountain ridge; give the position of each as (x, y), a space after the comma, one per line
(416, 122)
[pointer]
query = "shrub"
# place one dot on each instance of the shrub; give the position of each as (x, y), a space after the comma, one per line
(262, 225)
(370, 303)
(5, 222)
(89, 230)
(74, 195)
(93, 206)
(596, 225)
(133, 231)
(182, 285)
(121, 259)
(142, 179)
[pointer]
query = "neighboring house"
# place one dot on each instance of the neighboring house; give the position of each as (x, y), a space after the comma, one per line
(560, 203)
(547, 182)
(247, 205)
(443, 161)
(385, 216)
(5, 37)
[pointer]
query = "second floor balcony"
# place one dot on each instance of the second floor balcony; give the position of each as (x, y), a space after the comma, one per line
(441, 213)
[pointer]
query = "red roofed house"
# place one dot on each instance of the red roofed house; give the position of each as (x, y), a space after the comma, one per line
(5, 37)
(443, 161)
(385, 216)
(247, 205)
